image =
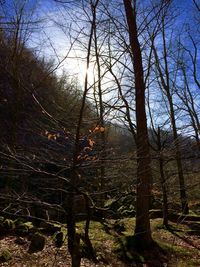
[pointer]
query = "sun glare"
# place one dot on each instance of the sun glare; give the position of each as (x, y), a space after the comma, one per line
(75, 66)
(91, 72)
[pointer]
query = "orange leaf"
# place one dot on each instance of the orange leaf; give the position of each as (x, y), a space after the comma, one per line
(91, 142)
(102, 129)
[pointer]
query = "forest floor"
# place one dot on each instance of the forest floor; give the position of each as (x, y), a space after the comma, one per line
(178, 246)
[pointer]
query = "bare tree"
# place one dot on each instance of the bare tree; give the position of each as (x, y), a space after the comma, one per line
(19, 24)
(167, 82)
(144, 179)
(189, 99)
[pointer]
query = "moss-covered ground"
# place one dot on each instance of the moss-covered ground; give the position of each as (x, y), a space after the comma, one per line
(175, 246)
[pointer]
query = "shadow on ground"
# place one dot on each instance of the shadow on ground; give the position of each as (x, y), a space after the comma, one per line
(128, 252)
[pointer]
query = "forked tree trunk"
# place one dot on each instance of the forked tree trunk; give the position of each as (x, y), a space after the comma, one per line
(144, 177)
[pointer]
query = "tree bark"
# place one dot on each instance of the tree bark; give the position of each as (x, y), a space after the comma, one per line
(144, 176)
(163, 182)
(183, 195)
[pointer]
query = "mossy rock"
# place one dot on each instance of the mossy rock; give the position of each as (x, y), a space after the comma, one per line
(19, 221)
(29, 225)
(124, 207)
(37, 243)
(119, 226)
(59, 239)
(156, 213)
(50, 227)
(9, 224)
(5, 256)
(24, 228)
(128, 213)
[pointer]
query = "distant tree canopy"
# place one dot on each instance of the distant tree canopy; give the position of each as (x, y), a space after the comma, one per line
(32, 98)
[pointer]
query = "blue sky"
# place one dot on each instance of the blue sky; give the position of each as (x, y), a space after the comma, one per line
(50, 40)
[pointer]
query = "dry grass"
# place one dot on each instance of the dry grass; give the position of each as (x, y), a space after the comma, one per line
(180, 247)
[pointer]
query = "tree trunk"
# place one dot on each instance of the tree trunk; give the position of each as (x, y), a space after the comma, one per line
(71, 223)
(91, 251)
(100, 115)
(166, 88)
(144, 178)
(183, 195)
(76, 255)
(163, 182)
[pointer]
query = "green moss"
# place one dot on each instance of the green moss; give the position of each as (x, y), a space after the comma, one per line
(123, 245)
(19, 221)
(127, 250)
(29, 225)
(9, 224)
(5, 256)
(119, 226)
(24, 228)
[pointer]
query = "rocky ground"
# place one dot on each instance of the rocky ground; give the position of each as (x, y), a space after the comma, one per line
(180, 247)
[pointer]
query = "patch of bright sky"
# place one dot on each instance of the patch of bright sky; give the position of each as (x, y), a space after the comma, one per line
(56, 42)
(53, 42)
